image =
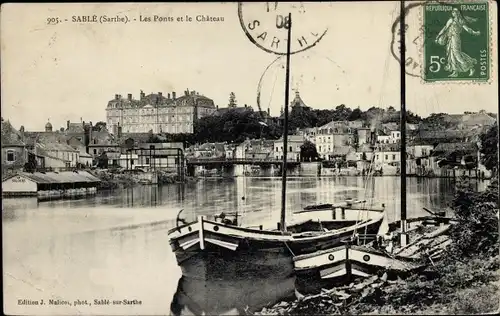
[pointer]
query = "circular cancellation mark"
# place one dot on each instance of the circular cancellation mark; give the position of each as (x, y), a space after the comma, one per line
(266, 25)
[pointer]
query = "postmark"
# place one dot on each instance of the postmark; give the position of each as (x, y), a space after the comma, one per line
(266, 24)
(456, 43)
(413, 37)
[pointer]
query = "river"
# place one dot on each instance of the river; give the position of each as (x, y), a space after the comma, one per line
(114, 246)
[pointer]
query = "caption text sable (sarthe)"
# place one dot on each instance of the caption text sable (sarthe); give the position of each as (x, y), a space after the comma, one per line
(108, 19)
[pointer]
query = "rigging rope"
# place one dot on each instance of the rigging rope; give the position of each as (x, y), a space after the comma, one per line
(372, 163)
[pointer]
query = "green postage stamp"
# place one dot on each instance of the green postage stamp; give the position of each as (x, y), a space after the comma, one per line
(456, 41)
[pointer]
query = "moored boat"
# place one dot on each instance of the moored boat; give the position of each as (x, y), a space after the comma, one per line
(220, 241)
(357, 259)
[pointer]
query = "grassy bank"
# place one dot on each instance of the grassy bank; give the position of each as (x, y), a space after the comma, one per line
(466, 281)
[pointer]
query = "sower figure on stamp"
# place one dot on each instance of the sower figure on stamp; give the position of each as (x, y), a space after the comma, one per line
(457, 60)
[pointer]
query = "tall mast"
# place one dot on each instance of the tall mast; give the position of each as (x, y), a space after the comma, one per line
(404, 235)
(285, 126)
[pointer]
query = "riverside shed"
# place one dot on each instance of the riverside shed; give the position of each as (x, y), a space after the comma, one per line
(33, 184)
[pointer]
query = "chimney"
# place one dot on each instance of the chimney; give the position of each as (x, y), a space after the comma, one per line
(129, 97)
(168, 96)
(173, 95)
(186, 93)
(246, 105)
(142, 95)
(83, 125)
(193, 92)
(117, 96)
(268, 112)
(67, 124)
(160, 95)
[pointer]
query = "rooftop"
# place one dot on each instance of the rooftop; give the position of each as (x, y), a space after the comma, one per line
(58, 177)
(190, 98)
(11, 136)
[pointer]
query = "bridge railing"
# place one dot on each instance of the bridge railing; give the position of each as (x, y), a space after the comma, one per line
(234, 160)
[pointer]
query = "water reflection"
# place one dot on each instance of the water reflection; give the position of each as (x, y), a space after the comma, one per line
(226, 297)
(116, 244)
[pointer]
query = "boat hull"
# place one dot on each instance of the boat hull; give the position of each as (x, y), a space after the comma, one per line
(206, 248)
(341, 265)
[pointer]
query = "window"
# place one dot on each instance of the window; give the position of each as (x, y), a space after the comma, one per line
(11, 156)
(147, 161)
(95, 151)
(291, 148)
(386, 157)
(393, 157)
(277, 148)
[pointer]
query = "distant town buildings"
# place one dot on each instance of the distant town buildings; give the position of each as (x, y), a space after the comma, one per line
(294, 142)
(158, 113)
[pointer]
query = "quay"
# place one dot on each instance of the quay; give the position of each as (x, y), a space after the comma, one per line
(50, 185)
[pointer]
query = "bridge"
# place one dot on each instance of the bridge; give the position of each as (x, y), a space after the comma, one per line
(236, 161)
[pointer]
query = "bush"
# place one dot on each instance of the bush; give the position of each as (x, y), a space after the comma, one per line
(476, 233)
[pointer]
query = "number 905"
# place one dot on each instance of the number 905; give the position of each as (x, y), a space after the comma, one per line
(52, 20)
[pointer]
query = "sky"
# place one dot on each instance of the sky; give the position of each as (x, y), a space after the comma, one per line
(70, 71)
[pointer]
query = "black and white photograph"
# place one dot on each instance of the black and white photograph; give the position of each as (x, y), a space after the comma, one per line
(250, 158)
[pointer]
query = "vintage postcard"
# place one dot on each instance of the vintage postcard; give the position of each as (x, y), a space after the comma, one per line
(242, 158)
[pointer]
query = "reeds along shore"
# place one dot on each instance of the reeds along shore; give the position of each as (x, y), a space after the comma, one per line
(465, 281)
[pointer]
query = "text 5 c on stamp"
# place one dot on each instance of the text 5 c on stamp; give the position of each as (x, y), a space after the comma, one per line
(456, 41)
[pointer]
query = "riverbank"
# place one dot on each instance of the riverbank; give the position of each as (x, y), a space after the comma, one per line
(466, 281)
(448, 288)
(113, 180)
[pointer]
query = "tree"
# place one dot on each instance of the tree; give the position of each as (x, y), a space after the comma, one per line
(356, 114)
(308, 151)
(99, 126)
(437, 121)
(342, 112)
(489, 148)
(102, 161)
(232, 100)
(31, 164)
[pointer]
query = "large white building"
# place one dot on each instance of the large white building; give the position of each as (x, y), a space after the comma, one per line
(170, 114)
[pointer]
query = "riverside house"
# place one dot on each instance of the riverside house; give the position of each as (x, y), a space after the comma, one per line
(332, 135)
(294, 143)
(14, 154)
(52, 146)
(255, 149)
(208, 151)
(102, 142)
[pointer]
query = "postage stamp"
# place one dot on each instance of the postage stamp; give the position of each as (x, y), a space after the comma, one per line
(456, 44)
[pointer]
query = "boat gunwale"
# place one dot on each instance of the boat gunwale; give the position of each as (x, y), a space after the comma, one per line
(317, 253)
(293, 236)
(349, 209)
